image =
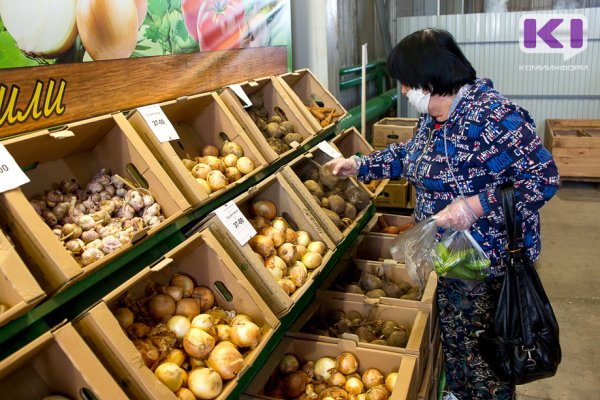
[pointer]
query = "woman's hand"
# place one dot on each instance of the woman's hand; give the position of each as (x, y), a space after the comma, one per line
(460, 214)
(342, 166)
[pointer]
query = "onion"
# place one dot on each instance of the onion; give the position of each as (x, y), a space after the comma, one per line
(28, 23)
(184, 282)
(309, 368)
(277, 235)
(245, 165)
(226, 360)
(215, 163)
(287, 285)
(141, 7)
(232, 174)
(378, 392)
(205, 296)
(197, 363)
(336, 379)
(231, 148)
(263, 245)
(287, 252)
(179, 325)
(303, 238)
(216, 180)
(372, 377)
(138, 330)
(203, 321)
(276, 273)
(259, 223)
(185, 394)
(204, 185)
(107, 28)
(230, 160)
(279, 223)
(223, 332)
(354, 386)
(390, 381)
(148, 351)
(245, 335)
(312, 260)
(316, 247)
(170, 375)
(275, 262)
(197, 343)
(176, 356)
(161, 306)
(291, 236)
(240, 319)
(346, 363)
(205, 383)
(264, 208)
(298, 274)
(201, 170)
(124, 316)
(323, 368)
(210, 150)
(176, 292)
(188, 307)
(289, 363)
(294, 384)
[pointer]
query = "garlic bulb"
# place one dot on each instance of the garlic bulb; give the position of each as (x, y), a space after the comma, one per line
(110, 243)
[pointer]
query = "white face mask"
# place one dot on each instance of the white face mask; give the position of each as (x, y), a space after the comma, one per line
(419, 100)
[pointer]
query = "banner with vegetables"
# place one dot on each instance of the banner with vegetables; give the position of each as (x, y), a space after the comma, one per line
(44, 32)
(93, 57)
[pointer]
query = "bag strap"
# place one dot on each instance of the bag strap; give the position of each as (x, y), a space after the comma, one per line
(509, 208)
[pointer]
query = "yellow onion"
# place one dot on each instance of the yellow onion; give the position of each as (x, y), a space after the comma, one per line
(288, 363)
(141, 7)
(303, 238)
(264, 208)
(294, 384)
(197, 343)
(203, 321)
(378, 392)
(323, 368)
(124, 316)
(372, 377)
(390, 381)
(184, 282)
(210, 150)
(205, 296)
(230, 160)
(226, 360)
(281, 224)
(316, 247)
(232, 148)
(205, 383)
(346, 363)
(179, 325)
(176, 356)
(107, 28)
(185, 394)
(263, 245)
(354, 385)
(170, 374)
(161, 306)
(244, 165)
(201, 170)
(245, 335)
(188, 307)
(204, 185)
(223, 332)
(276, 235)
(216, 180)
(311, 260)
(232, 174)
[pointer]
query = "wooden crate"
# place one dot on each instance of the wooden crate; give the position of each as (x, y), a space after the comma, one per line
(575, 145)
(394, 195)
(393, 130)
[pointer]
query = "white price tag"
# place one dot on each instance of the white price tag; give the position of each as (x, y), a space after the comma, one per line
(329, 150)
(158, 123)
(11, 175)
(237, 89)
(235, 222)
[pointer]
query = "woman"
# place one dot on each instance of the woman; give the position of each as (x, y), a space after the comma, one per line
(470, 141)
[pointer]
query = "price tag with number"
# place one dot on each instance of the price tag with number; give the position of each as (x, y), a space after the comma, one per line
(11, 175)
(329, 150)
(158, 123)
(235, 222)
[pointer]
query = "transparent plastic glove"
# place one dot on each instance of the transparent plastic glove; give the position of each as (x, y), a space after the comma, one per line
(343, 166)
(460, 214)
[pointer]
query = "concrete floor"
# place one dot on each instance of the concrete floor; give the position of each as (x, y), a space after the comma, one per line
(569, 269)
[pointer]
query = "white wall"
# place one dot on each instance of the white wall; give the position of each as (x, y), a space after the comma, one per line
(491, 43)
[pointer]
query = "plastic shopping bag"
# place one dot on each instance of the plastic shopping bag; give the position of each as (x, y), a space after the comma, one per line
(413, 248)
(458, 255)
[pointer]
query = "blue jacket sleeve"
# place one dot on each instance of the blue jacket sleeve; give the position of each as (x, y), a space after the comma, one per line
(515, 153)
(382, 164)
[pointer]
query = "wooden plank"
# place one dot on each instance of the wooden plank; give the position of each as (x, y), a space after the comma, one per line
(557, 124)
(89, 89)
(573, 166)
(577, 152)
(575, 142)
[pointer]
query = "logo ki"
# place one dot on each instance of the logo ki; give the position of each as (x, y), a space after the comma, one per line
(553, 33)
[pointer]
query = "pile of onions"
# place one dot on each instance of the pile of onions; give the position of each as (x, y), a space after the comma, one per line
(288, 255)
(215, 169)
(328, 377)
(193, 346)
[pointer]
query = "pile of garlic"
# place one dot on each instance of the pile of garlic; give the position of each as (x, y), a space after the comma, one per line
(99, 219)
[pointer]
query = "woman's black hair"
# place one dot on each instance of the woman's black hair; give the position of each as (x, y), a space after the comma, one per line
(430, 59)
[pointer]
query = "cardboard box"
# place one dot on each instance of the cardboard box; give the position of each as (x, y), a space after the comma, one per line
(202, 258)
(277, 190)
(79, 151)
(393, 130)
(306, 90)
(274, 96)
(349, 271)
(199, 120)
(57, 362)
(301, 169)
(351, 142)
(19, 291)
(428, 390)
(575, 145)
(374, 226)
(373, 248)
(414, 320)
(309, 350)
(394, 195)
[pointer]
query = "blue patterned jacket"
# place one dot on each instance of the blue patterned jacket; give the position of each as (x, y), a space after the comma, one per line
(490, 142)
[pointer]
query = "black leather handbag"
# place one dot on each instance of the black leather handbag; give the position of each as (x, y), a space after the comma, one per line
(522, 344)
